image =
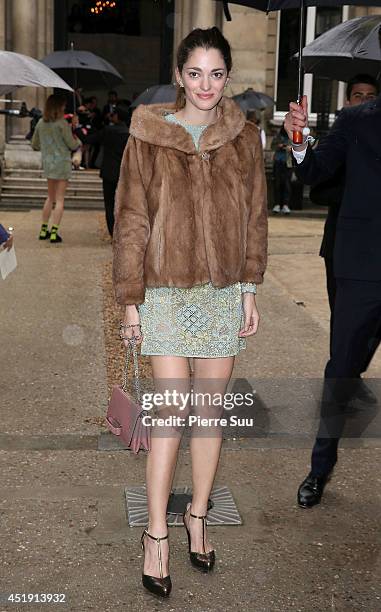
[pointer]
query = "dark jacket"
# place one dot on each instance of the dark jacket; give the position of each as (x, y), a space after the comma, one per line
(329, 193)
(113, 138)
(354, 140)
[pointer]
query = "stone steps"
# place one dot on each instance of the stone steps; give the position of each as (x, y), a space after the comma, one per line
(32, 173)
(41, 190)
(20, 203)
(27, 188)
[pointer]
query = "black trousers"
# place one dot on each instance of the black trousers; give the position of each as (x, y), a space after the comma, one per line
(331, 290)
(281, 183)
(355, 335)
(109, 189)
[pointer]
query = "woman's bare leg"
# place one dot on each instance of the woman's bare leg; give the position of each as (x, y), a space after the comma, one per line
(60, 201)
(48, 205)
(170, 373)
(211, 376)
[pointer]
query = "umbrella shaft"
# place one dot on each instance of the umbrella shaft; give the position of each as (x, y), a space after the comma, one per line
(301, 36)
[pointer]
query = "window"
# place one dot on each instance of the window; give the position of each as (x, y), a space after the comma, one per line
(288, 44)
(324, 91)
(324, 95)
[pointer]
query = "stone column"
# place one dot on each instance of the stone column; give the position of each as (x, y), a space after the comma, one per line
(3, 40)
(44, 42)
(183, 20)
(24, 40)
(183, 24)
(206, 13)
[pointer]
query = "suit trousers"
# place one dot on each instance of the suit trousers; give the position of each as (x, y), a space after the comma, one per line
(331, 290)
(355, 335)
(109, 189)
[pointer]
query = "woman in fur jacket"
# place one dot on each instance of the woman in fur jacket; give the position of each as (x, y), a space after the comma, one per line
(190, 247)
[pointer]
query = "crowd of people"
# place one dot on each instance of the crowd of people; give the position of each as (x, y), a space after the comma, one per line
(75, 134)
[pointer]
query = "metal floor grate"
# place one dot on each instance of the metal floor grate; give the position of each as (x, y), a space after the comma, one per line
(223, 512)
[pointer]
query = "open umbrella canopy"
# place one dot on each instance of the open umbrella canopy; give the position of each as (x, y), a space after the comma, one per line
(253, 100)
(17, 70)
(350, 48)
(277, 5)
(83, 69)
(156, 94)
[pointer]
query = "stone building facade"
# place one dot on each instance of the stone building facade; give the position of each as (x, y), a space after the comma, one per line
(30, 27)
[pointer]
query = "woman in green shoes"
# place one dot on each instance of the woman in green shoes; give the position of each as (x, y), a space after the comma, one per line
(53, 136)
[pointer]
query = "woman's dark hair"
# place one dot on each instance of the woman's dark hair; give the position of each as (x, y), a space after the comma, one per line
(210, 38)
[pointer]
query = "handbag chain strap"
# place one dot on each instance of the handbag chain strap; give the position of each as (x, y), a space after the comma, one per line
(135, 378)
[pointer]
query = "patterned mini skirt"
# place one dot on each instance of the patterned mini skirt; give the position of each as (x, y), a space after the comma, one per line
(202, 321)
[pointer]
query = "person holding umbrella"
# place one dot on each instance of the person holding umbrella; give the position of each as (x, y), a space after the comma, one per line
(354, 140)
(361, 88)
(53, 136)
(190, 245)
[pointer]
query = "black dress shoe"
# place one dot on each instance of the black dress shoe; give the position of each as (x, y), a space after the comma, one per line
(311, 490)
(365, 395)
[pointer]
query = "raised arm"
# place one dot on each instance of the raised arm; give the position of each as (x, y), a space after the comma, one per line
(71, 141)
(315, 165)
(131, 229)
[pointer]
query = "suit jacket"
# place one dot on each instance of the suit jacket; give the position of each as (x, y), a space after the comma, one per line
(354, 140)
(113, 138)
(329, 193)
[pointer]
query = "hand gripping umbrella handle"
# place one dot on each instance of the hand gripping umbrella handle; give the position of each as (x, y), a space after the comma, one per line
(297, 136)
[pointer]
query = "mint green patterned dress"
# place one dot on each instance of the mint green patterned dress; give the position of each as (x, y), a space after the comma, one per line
(200, 321)
(56, 142)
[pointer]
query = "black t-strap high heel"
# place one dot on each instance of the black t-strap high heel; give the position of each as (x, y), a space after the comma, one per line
(205, 560)
(159, 586)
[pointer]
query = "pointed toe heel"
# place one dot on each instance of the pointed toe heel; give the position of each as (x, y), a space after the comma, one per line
(203, 561)
(158, 586)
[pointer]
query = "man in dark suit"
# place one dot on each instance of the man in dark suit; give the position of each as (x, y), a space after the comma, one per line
(108, 109)
(360, 89)
(354, 140)
(113, 138)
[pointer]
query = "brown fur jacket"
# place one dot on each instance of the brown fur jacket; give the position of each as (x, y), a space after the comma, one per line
(185, 217)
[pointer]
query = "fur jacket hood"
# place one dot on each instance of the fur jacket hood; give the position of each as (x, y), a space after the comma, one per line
(149, 125)
(186, 216)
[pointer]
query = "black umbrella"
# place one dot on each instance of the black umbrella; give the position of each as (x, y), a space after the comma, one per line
(276, 5)
(83, 69)
(352, 47)
(253, 100)
(156, 94)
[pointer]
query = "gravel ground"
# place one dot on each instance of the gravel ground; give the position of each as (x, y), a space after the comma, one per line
(62, 511)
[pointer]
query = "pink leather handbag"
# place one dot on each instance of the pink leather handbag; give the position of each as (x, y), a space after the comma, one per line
(124, 414)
